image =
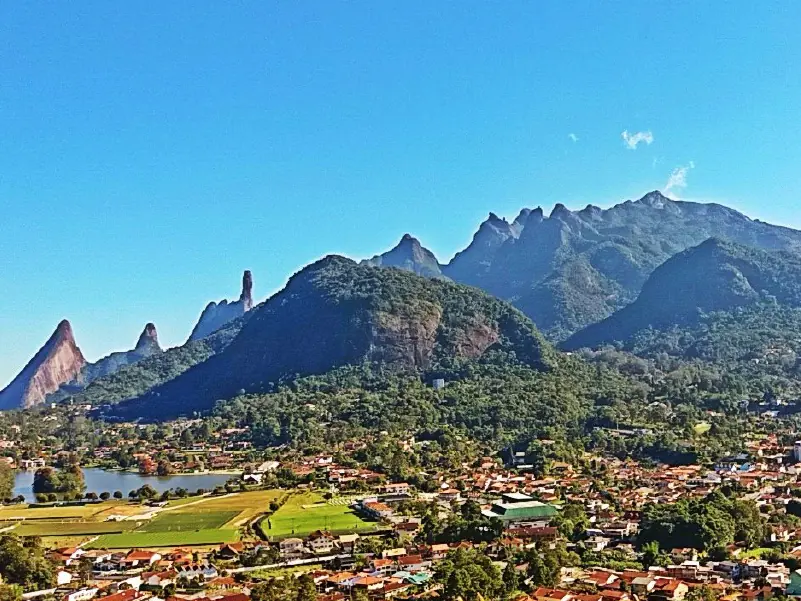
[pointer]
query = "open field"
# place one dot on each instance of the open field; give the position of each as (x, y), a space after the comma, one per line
(174, 521)
(144, 540)
(193, 521)
(248, 505)
(97, 512)
(44, 528)
(23, 512)
(307, 512)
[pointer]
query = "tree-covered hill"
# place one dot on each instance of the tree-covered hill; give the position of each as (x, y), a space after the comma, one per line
(335, 313)
(716, 276)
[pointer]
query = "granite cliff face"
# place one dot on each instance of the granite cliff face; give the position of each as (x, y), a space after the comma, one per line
(336, 312)
(470, 266)
(216, 315)
(58, 362)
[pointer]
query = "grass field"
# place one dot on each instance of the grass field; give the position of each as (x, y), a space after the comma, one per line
(248, 505)
(702, 427)
(71, 528)
(95, 512)
(176, 538)
(307, 512)
(173, 521)
(197, 521)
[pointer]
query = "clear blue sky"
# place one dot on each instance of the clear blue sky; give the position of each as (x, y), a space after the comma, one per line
(151, 151)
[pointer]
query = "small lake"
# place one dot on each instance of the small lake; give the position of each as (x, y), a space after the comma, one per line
(98, 481)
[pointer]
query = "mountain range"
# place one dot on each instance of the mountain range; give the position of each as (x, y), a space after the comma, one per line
(584, 278)
(573, 268)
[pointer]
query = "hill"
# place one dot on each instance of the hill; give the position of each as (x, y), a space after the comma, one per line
(336, 313)
(715, 276)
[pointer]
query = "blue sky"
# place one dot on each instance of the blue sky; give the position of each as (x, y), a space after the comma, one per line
(149, 152)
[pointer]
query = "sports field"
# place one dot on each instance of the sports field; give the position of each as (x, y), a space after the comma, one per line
(175, 538)
(45, 528)
(173, 521)
(304, 513)
(193, 521)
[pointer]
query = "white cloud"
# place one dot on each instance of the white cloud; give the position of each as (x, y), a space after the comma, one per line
(678, 178)
(632, 140)
(573, 137)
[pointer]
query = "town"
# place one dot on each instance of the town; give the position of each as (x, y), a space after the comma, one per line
(589, 529)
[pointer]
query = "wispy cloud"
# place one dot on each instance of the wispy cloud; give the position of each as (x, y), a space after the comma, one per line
(678, 178)
(632, 140)
(573, 137)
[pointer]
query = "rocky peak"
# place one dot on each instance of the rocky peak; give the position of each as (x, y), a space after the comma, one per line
(216, 315)
(655, 199)
(535, 216)
(522, 217)
(149, 338)
(410, 255)
(560, 211)
(247, 290)
(591, 212)
(58, 362)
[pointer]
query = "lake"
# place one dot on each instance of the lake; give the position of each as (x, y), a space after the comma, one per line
(98, 481)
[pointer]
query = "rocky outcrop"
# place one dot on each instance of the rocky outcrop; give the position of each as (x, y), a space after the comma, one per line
(410, 255)
(146, 346)
(216, 315)
(470, 265)
(58, 362)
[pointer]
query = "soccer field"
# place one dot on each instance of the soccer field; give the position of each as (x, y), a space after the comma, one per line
(307, 512)
(176, 538)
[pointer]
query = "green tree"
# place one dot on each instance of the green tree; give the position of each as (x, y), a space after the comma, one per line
(10, 592)
(650, 553)
(511, 580)
(306, 589)
(6, 480)
(468, 574)
(24, 565)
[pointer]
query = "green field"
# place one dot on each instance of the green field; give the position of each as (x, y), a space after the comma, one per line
(305, 513)
(173, 521)
(71, 528)
(164, 539)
